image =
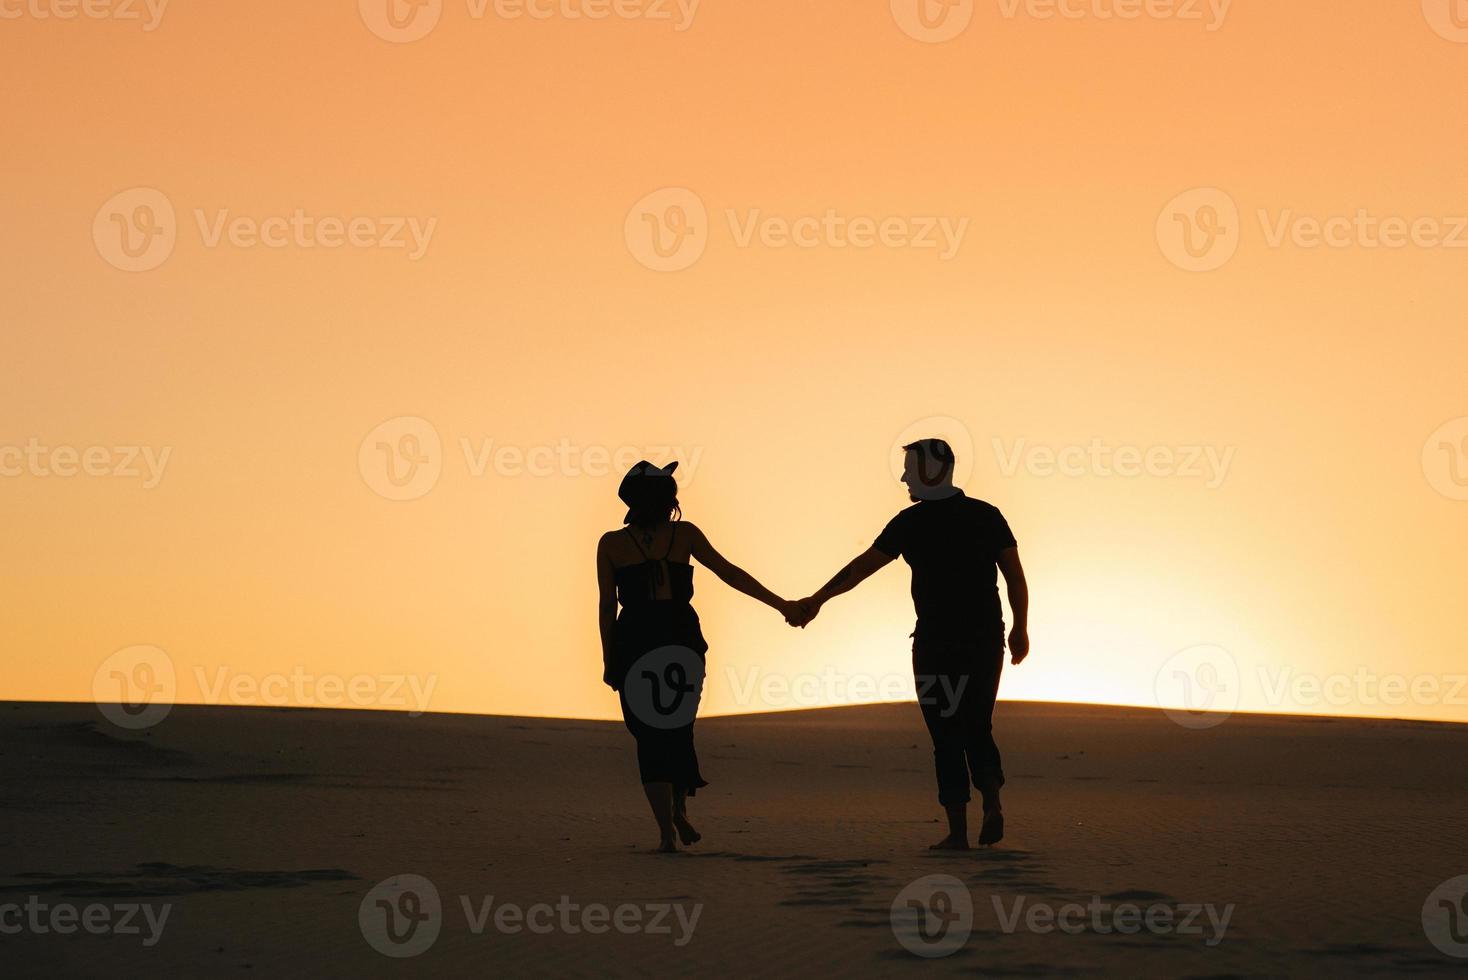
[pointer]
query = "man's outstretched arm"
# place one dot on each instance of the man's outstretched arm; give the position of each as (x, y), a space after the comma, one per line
(1019, 602)
(857, 571)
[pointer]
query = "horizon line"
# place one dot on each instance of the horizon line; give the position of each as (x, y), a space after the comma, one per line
(1254, 714)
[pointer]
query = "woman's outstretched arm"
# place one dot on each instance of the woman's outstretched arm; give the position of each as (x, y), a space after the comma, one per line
(735, 577)
(606, 611)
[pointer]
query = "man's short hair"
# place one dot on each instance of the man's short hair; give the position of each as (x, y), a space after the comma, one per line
(935, 458)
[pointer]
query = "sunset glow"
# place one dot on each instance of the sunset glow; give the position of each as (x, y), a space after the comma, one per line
(326, 345)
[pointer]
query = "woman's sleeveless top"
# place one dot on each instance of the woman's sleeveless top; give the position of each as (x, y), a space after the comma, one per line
(644, 582)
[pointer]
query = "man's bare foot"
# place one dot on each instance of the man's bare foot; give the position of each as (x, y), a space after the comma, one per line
(950, 843)
(993, 830)
(686, 831)
(668, 846)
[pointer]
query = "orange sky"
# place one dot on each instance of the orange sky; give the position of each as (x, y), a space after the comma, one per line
(1327, 542)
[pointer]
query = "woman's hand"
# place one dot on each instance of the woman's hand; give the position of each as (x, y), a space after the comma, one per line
(610, 679)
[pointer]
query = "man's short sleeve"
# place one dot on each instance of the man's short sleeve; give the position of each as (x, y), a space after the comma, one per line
(1001, 535)
(893, 539)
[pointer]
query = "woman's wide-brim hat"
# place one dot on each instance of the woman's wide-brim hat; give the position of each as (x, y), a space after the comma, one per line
(647, 484)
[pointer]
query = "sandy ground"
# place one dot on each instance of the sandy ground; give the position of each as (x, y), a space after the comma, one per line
(271, 836)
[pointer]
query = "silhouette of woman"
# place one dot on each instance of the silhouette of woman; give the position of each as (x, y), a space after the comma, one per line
(654, 647)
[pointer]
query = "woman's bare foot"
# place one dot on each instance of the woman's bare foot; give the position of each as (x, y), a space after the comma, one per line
(687, 833)
(950, 843)
(661, 797)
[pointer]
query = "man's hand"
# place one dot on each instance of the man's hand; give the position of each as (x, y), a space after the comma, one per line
(608, 678)
(1019, 645)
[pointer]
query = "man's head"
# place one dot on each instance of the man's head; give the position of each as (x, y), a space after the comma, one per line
(927, 469)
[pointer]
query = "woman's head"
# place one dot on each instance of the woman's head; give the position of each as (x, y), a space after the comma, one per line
(650, 493)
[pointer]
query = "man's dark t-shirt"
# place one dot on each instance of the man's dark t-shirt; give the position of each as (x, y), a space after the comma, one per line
(953, 546)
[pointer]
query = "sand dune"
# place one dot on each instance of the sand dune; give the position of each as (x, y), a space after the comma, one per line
(1290, 846)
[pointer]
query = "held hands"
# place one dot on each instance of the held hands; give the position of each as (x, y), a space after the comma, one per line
(794, 615)
(799, 614)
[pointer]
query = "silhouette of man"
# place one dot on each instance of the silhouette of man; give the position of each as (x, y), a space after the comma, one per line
(953, 543)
